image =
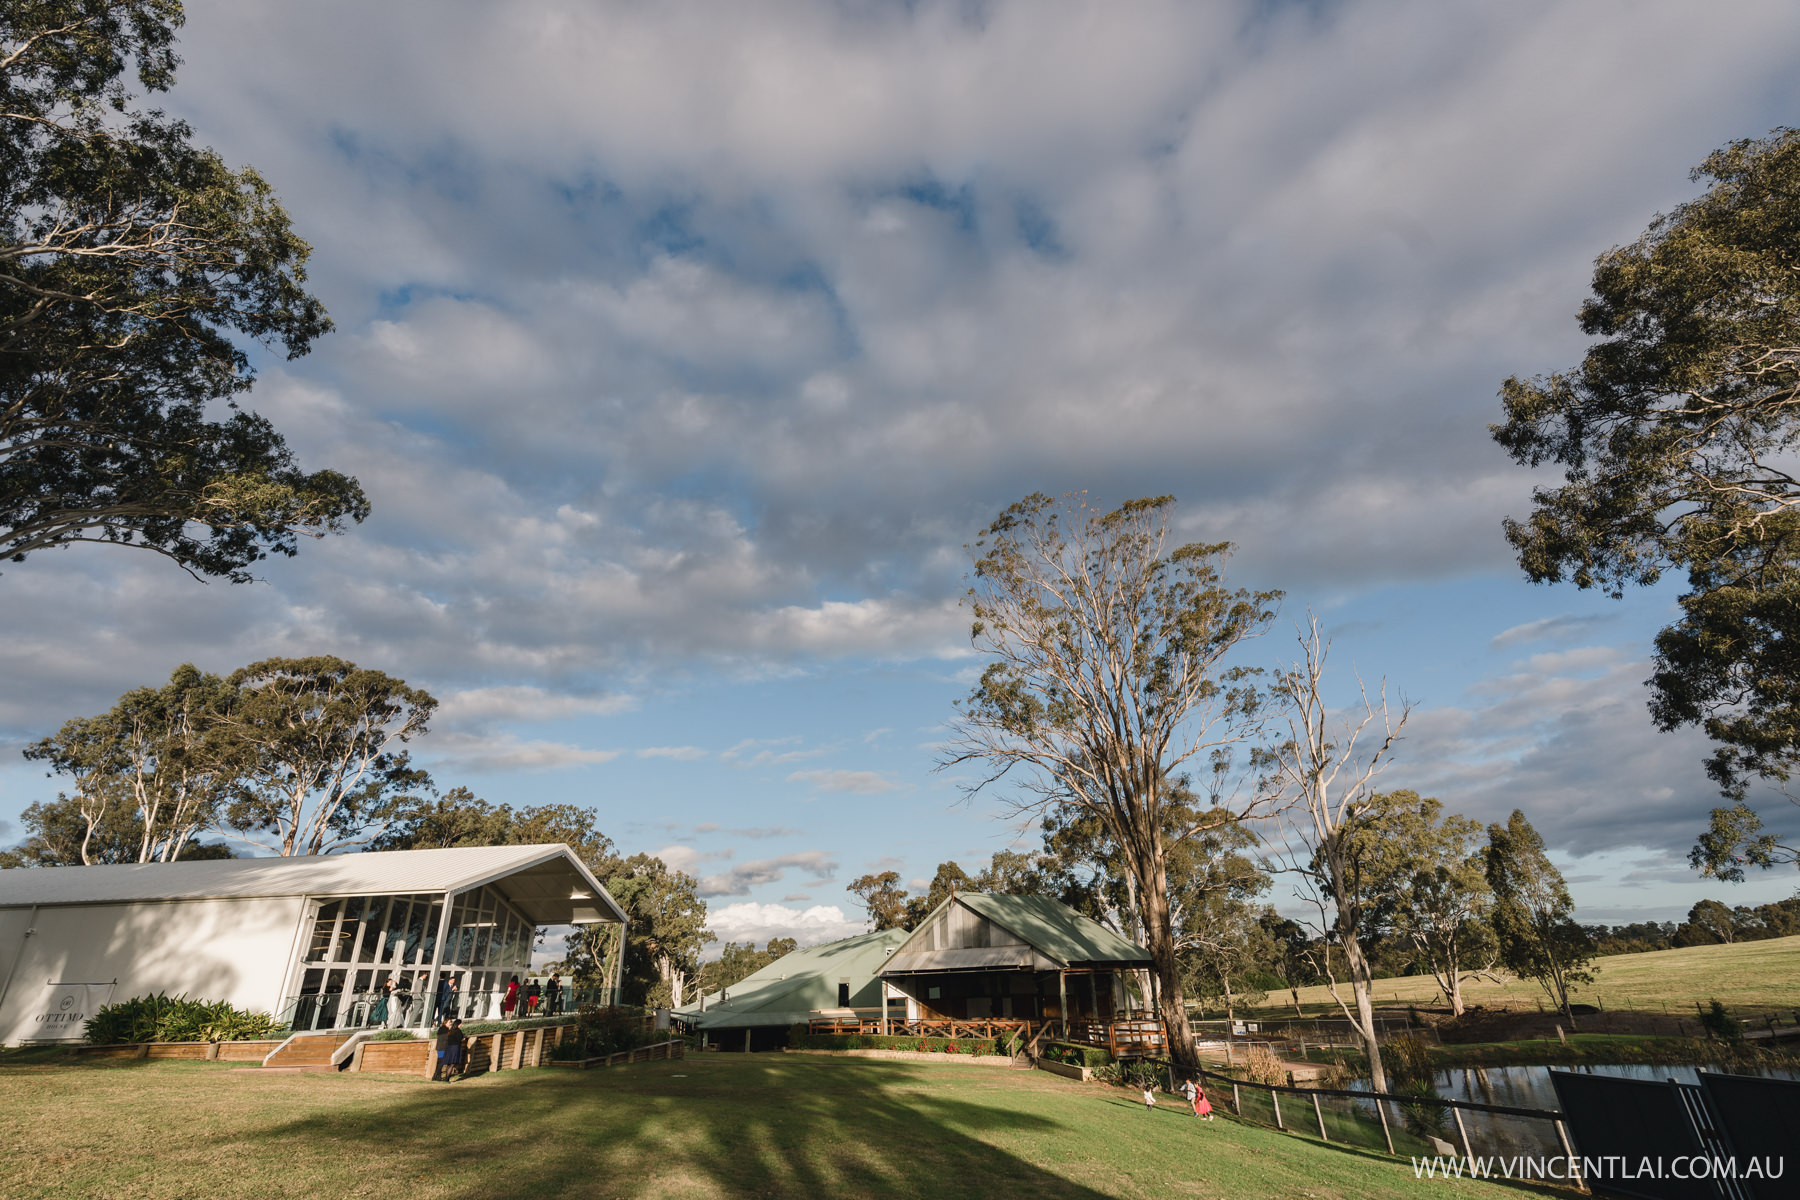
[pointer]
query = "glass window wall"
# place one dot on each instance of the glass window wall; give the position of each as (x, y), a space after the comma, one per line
(357, 946)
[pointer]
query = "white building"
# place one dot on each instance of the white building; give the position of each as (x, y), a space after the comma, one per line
(312, 940)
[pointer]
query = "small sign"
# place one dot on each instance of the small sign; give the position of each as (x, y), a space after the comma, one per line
(64, 1011)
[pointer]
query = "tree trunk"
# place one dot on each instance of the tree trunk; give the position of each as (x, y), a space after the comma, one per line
(1153, 898)
(1362, 990)
(1362, 981)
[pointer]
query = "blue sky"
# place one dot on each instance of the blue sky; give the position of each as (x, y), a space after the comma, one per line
(682, 347)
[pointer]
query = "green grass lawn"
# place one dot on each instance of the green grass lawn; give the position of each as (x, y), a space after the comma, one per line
(1750, 977)
(712, 1125)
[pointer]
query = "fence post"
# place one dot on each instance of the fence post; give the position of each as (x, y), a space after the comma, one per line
(1237, 1105)
(1319, 1115)
(1562, 1132)
(1275, 1099)
(1468, 1150)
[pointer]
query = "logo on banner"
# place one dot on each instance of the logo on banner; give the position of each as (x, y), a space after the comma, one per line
(67, 1007)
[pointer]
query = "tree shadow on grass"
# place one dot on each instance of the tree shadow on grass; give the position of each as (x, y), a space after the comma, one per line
(745, 1130)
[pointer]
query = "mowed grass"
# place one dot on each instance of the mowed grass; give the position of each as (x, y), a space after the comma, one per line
(1749, 977)
(710, 1126)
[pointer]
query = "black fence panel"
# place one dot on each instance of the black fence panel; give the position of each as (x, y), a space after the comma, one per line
(1626, 1124)
(1760, 1121)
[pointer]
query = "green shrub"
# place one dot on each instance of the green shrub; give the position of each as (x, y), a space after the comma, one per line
(509, 1026)
(610, 1030)
(1426, 1120)
(1721, 1024)
(165, 1018)
(800, 1039)
(394, 1035)
(1407, 1058)
(1075, 1055)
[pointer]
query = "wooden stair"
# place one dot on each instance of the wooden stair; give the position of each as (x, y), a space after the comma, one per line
(309, 1052)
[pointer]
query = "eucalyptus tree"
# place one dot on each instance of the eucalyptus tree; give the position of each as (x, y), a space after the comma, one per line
(1675, 441)
(153, 763)
(1534, 914)
(131, 262)
(1325, 770)
(1427, 868)
(317, 753)
(1108, 644)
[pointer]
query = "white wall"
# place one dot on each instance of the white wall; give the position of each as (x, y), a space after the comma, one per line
(237, 950)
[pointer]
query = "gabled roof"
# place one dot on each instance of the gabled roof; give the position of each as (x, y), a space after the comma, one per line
(548, 883)
(797, 986)
(1053, 936)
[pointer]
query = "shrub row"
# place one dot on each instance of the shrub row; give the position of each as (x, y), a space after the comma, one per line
(165, 1018)
(521, 1023)
(800, 1039)
(1076, 1056)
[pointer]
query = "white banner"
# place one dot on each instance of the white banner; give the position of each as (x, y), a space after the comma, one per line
(64, 1010)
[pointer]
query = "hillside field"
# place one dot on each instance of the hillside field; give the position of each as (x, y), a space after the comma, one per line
(1747, 977)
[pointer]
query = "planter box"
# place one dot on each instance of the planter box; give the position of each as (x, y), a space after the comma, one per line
(1066, 1070)
(412, 1057)
(247, 1051)
(187, 1050)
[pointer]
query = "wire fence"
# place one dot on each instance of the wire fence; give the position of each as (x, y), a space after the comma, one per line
(1519, 1142)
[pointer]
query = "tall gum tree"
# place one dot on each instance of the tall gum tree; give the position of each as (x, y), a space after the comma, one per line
(1108, 676)
(131, 263)
(1325, 770)
(1676, 439)
(317, 752)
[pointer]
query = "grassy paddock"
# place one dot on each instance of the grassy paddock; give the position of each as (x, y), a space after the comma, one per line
(707, 1126)
(1749, 977)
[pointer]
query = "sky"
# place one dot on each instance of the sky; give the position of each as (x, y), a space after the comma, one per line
(682, 349)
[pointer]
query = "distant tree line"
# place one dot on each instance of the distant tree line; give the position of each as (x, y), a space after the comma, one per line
(1709, 923)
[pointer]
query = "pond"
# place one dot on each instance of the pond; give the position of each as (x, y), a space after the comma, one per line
(1530, 1087)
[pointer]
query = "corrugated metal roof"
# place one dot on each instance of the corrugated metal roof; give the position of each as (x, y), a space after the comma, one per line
(549, 882)
(794, 987)
(1055, 930)
(968, 958)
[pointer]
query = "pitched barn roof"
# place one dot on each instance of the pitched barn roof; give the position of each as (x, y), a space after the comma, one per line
(548, 883)
(797, 986)
(1049, 936)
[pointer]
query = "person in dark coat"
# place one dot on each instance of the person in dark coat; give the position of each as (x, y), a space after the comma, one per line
(553, 995)
(446, 1034)
(459, 1048)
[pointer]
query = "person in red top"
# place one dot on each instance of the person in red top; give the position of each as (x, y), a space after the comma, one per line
(511, 1000)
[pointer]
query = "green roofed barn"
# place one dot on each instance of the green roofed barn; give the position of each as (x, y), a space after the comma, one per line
(836, 979)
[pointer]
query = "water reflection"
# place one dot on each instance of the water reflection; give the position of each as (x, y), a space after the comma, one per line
(1530, 1087)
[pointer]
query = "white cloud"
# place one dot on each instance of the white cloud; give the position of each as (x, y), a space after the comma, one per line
(738, 881)
(750, 922)
(507, 752)
(679, 753)
(855, 783)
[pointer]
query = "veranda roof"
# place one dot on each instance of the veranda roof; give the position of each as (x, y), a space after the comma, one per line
(547, 883)
(796, 987)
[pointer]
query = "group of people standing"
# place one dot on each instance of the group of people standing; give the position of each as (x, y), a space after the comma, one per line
(394, 1002)
(532, 1000)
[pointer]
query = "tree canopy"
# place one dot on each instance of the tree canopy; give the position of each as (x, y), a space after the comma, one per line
(1533, 913)
(1676, 438)
(130, 259)
(1107, 643)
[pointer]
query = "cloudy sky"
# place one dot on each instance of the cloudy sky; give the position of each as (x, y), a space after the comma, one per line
(681, 348)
